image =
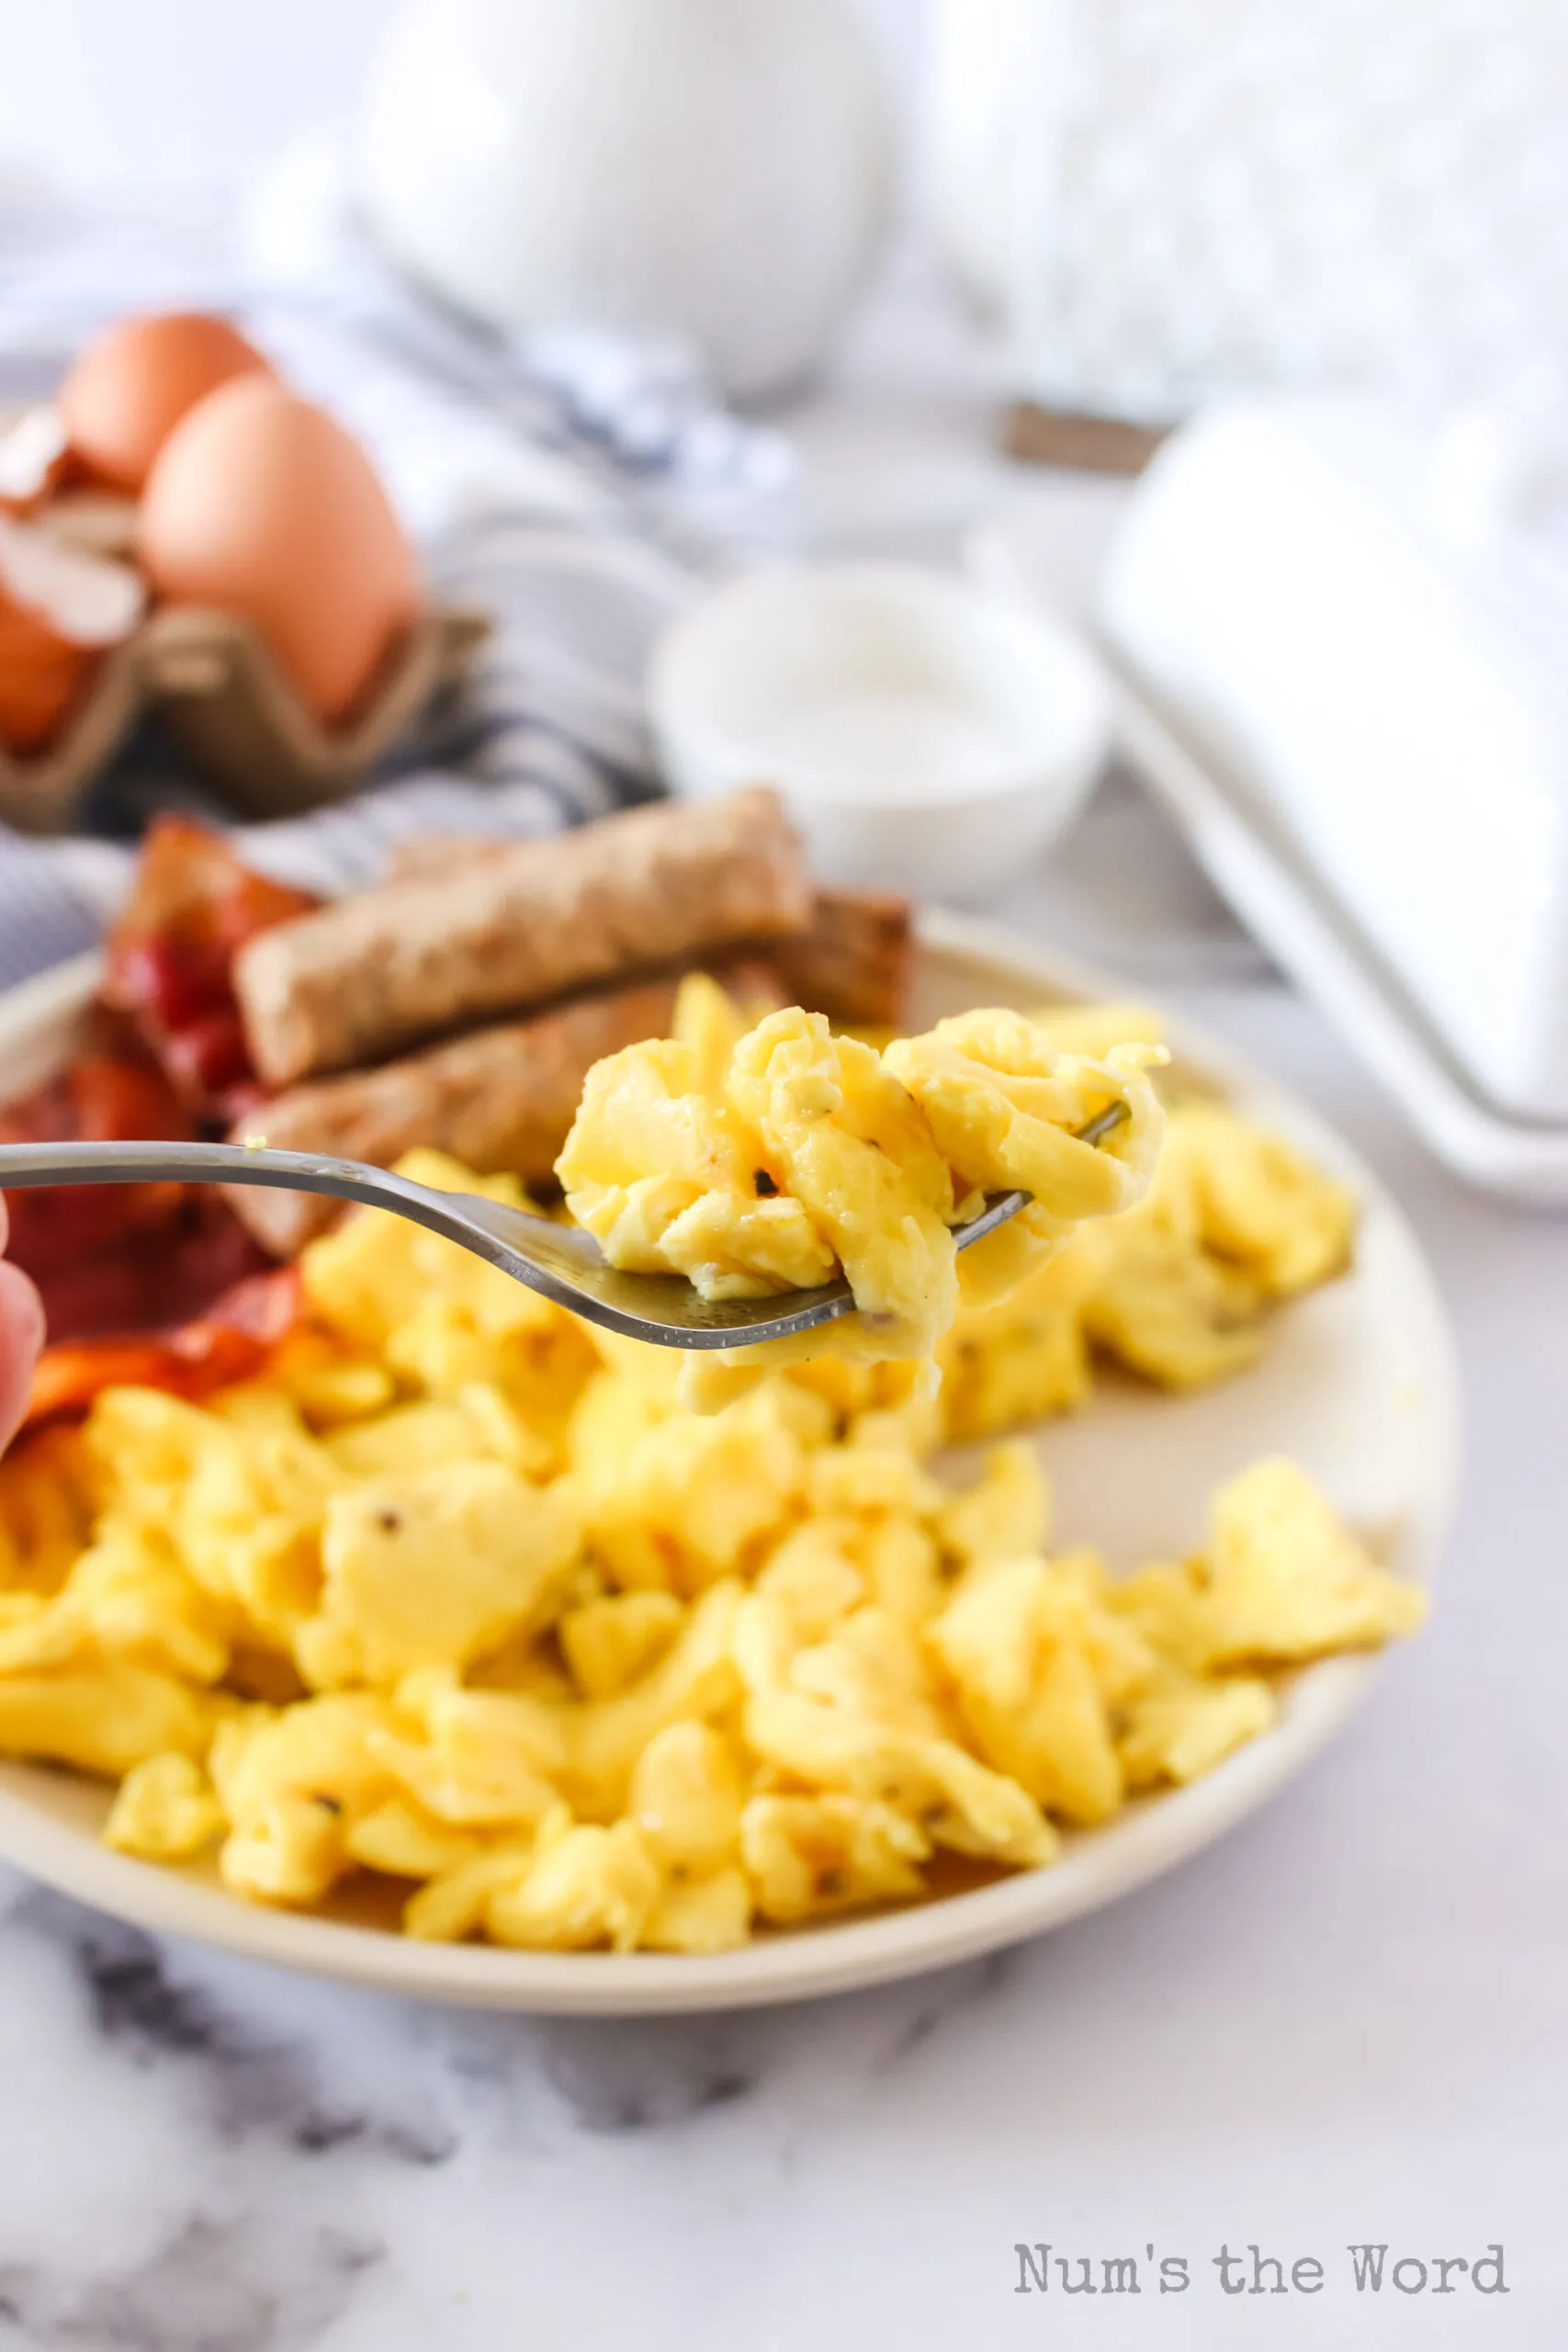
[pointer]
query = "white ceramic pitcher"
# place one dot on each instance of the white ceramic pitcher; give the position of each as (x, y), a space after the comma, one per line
(717, 167)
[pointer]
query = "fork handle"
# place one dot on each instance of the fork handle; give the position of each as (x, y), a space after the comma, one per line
(453, 1216)
(25, 1164)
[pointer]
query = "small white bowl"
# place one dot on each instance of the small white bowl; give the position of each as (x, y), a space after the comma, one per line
(927, 735)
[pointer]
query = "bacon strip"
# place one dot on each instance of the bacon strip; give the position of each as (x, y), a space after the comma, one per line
(231, 1342)
(170, 957)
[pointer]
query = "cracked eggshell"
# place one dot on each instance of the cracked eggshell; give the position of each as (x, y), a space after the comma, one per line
(60, 611)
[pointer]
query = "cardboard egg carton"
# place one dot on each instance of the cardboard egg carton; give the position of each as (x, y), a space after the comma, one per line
(222, 694)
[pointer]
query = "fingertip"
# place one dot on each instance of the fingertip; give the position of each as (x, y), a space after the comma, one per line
(21, 1338)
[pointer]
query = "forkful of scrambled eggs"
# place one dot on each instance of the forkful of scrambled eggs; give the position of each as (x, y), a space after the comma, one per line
(805, 1191)
(779, 1159)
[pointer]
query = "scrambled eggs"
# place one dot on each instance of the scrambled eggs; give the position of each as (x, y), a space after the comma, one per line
(759, 1160)
(457, 1593)
(1178, 1290)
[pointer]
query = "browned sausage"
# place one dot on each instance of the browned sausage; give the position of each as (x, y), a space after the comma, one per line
(852, 963)
(381, 968)
(502, 1098)
(498, 1098)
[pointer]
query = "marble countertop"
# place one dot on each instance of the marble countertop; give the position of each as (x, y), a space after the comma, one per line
(1345, 2025)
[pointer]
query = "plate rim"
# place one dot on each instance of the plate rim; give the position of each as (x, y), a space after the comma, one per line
(1153, 1837)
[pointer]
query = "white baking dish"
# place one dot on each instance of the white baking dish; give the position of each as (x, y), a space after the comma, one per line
(1362, 625)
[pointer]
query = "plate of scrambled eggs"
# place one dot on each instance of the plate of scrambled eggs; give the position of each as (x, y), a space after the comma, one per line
(454, 1653)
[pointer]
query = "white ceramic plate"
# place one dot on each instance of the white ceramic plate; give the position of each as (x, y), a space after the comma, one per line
(1358, 1384)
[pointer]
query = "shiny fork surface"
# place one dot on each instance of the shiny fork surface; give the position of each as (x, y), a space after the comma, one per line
(557, 1260)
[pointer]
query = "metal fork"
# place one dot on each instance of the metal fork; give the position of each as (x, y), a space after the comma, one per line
(557, 1260)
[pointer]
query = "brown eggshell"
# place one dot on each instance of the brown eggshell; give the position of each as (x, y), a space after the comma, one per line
(263, 506)
(60, 611)
(127, 393)
(40, 677)
(34, 457)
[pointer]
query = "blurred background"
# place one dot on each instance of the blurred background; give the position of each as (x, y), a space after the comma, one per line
(166, 103)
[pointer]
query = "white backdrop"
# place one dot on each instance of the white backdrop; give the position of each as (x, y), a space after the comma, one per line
(180, 101)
